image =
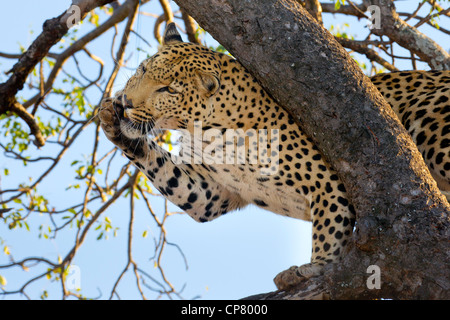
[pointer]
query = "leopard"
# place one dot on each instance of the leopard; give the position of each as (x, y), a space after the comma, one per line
(420, 99)
(189, 88)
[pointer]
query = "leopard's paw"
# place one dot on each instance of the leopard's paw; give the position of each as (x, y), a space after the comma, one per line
(109, 118)
(295, 275)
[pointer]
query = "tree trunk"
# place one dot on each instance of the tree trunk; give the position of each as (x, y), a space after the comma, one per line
(402, 219)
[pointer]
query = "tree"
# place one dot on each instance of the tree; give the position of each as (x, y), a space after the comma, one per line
(300, 64)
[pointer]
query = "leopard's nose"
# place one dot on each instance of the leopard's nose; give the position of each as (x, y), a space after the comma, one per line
(127, 103)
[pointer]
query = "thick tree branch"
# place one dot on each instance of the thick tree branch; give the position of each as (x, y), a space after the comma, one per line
(402, 219)
(409, 37)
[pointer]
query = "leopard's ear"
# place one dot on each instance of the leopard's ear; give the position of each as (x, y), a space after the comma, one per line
(209, 82)
(171, 34)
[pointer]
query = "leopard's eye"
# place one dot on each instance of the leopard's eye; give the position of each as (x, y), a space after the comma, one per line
(171, 90)
(167, 89)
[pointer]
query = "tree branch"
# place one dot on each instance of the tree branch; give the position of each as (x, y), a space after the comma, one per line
(311, 289)
(190, 27)
(409, 37)
(361, 47)
(19, 110)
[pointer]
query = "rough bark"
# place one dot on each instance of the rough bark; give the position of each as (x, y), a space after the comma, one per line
(402, 219)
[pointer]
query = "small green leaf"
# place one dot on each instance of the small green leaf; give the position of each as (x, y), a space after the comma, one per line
(3, 281)
(337, 5)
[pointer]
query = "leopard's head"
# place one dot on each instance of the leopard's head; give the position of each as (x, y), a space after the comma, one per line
(171, 89)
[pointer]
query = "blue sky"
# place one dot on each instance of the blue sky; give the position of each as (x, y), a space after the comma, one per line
(232, 257)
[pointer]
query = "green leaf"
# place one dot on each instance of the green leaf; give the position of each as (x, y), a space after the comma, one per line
(44, 295)
(3, 281)
(337, 5)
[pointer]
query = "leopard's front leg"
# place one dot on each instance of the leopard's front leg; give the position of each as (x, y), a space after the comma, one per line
(182, 184)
